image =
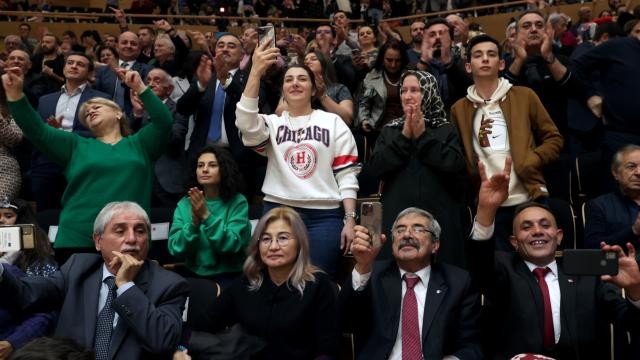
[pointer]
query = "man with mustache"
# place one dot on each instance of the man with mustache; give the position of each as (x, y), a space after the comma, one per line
(118, 303)
(531, 303)
(410, 307)
(440, 57)
(537, 65)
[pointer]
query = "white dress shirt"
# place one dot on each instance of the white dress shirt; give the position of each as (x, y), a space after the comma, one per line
(360, 281)
(67, 105)
(554, 294)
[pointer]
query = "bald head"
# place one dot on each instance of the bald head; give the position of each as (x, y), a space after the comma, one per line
(128, 46)
(21, 59)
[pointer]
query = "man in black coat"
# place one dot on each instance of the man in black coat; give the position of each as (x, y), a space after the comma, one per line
(433, 316)
(563, 316)
(224, 72)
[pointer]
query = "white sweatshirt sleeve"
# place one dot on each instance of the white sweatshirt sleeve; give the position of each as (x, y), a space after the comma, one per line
(252, 127)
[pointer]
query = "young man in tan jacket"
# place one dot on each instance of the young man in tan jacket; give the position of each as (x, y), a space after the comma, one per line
(497, 120)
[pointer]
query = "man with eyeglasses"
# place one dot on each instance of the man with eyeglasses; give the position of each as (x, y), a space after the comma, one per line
(345, 72)
(537, 65)
(411, 307)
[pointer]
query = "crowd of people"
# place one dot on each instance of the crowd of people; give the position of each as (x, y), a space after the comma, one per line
(458, 134)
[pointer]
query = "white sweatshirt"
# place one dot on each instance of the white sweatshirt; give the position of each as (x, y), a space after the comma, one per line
(313, 159)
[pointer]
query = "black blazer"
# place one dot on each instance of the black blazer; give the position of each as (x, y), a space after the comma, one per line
(514, 310)
(450, 324)
(150, 312)
(201, 103)
(171, 168)
(106, 81)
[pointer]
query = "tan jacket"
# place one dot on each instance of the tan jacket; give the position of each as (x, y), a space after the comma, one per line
(533, 137)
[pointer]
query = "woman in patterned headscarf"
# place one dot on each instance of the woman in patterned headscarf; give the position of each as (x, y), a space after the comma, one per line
(420, 160)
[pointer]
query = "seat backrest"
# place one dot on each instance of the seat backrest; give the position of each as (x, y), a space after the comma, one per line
(565, 217)
(202, 295)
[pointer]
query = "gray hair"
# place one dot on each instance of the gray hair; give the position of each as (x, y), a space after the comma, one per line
(616, 162)
(555, 18)
(167, 40)
(434, 226)
(165, 75)
(117, 207)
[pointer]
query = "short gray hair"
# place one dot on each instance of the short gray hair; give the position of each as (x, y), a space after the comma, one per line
(434, 226)
(616, 162)
(117, 207)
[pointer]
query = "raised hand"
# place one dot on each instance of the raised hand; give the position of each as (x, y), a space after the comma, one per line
(494, 190)
(263, 57)
(12, 81)
(120, 16)
(163, 25)
(132, 79)
(136, 104)
(407, 128)
(519, 47)
(127, 266)
(204, 72)
(546, 47)
(628, 276)
(418, 126)
(199, 208)
(363, 250)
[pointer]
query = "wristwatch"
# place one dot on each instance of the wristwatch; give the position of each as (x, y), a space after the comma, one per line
(350, 214)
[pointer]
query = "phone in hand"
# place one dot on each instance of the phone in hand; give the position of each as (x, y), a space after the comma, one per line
(265, 32)
(371, 218)
(16, 237)
(589, 262)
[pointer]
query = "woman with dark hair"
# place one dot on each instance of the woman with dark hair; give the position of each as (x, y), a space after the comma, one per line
(107, 55)
(312, 158)
(18, 329)
(365, 59)
(380, 99)
(112, 166)
(282, 298)
(211, 228)
(331, 96)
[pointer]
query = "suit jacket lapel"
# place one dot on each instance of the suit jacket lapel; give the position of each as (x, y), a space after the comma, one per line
(92, 296)
(568, 304)
(392, 287)
(436, 291)
(536, 295)
(117, 337)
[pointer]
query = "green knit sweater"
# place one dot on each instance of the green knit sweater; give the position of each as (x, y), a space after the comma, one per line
(97, 173)
(218, 244)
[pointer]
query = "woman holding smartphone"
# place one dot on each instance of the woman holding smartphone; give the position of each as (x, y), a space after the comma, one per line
(112, 166)
(312, 158)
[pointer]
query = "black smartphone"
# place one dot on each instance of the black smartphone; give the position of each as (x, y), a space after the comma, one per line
(589, 262)
(371, 218)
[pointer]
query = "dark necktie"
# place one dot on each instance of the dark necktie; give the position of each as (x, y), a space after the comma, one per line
(104, 325)
(119, 92)
(411, 341)
(549, 337)
(215, 126)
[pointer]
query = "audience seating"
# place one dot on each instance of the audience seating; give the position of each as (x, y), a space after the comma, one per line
(588, 180)
(566, 219)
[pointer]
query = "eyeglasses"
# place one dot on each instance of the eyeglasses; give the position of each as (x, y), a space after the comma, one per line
(323, 31)
(281, 240)
(414, 229)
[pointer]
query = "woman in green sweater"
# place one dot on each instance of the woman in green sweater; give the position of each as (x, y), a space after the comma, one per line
(211, 228)
(113, 166)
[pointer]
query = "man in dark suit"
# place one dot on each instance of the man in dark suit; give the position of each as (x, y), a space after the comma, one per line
(60, 109)
(215, 123)
(118, 303)
(107, 81)
(410, 307)
(171, 168)
(532, 304)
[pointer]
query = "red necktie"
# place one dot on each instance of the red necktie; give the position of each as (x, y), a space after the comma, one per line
(549, 337)
(411, 340)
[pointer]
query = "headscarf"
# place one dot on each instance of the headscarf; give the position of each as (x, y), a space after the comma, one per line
(432, 107)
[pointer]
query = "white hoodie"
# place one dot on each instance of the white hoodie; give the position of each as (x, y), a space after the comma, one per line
(494, 148)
